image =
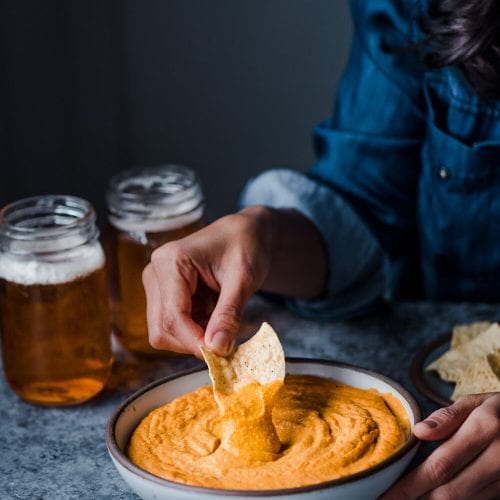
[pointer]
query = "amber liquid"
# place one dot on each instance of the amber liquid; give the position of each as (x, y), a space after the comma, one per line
(56, 339)
(127, 256)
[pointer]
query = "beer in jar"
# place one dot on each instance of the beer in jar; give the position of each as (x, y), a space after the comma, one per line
(147, 208)
(54, 313)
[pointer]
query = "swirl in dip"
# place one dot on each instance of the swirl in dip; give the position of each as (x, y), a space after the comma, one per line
(305, 431)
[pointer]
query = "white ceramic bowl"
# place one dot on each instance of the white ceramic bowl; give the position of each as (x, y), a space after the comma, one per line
(366, 484)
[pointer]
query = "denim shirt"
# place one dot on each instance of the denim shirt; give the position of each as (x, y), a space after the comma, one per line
(409, 163)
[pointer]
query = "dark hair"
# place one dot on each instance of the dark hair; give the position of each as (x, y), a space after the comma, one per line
(466, 34)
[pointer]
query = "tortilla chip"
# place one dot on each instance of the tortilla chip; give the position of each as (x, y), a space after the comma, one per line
(261, 359)
(452, 365)
(483, 375)
(245, 385)
(464, 333)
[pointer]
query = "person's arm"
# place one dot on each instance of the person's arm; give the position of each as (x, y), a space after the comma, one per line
(367, 157)
(354, 260)
(298, 261)
(197, 287)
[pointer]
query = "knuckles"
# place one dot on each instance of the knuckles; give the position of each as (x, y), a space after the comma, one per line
(446, 414)
(439, 470)
(171, 256)
(157, 341)
(229, 314)
(165, 254)
(167, 326)
(493, 407)
(489, 419)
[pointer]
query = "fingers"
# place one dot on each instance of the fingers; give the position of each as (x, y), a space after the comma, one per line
(157, 337)
(169, 286)
(177, 278)
(475, 478)
(445, 421)
(465, 461)
(223, 259)
(224, 324)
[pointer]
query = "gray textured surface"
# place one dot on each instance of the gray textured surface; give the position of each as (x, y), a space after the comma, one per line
(53, 453)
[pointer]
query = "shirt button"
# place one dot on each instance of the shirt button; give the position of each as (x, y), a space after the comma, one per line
(444, 173)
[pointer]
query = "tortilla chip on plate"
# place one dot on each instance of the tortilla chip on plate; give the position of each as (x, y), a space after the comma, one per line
(464, 333)
(452, 365)
(483, 375)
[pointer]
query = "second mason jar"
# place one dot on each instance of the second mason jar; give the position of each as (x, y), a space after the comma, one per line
(147, 207)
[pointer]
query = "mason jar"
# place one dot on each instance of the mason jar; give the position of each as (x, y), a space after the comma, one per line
(147, 207)
(54, 313)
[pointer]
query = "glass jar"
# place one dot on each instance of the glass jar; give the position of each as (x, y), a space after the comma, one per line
(54, 313)
(147, 207)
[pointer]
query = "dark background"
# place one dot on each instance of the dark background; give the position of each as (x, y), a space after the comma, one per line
(228, 87)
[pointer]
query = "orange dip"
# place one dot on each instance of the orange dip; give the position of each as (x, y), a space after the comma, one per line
(312, 430)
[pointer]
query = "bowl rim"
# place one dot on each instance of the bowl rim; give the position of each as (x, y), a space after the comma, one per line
(124, 461)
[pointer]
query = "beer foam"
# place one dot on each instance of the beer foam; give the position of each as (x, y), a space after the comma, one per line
(156, 225)
(33, 271)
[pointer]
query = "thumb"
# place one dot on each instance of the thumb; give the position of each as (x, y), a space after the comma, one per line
(224, 324)
(444, 422)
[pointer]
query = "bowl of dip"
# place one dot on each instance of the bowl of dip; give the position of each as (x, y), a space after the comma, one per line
(336, 421)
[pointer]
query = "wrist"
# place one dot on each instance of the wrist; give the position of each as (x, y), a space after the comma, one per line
(265, 223)
(293, 249)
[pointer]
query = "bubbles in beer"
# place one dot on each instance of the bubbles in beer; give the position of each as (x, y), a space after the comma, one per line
(54, 313)
(157, 225)
(32, 271)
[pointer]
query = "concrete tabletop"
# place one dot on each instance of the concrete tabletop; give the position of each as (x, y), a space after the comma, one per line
(60, 453)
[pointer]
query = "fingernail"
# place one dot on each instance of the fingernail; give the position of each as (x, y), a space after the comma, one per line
(220, 342)
(431, 424)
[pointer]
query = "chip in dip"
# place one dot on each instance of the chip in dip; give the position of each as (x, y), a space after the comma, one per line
(256, 429)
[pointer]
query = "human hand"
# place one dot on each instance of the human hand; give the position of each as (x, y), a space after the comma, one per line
(197, 287)
(467, 464)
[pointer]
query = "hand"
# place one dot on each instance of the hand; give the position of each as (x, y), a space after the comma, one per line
(203, 282)
(467, 464)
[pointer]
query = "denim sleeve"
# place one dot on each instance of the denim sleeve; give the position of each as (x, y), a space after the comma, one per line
(355, 279)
